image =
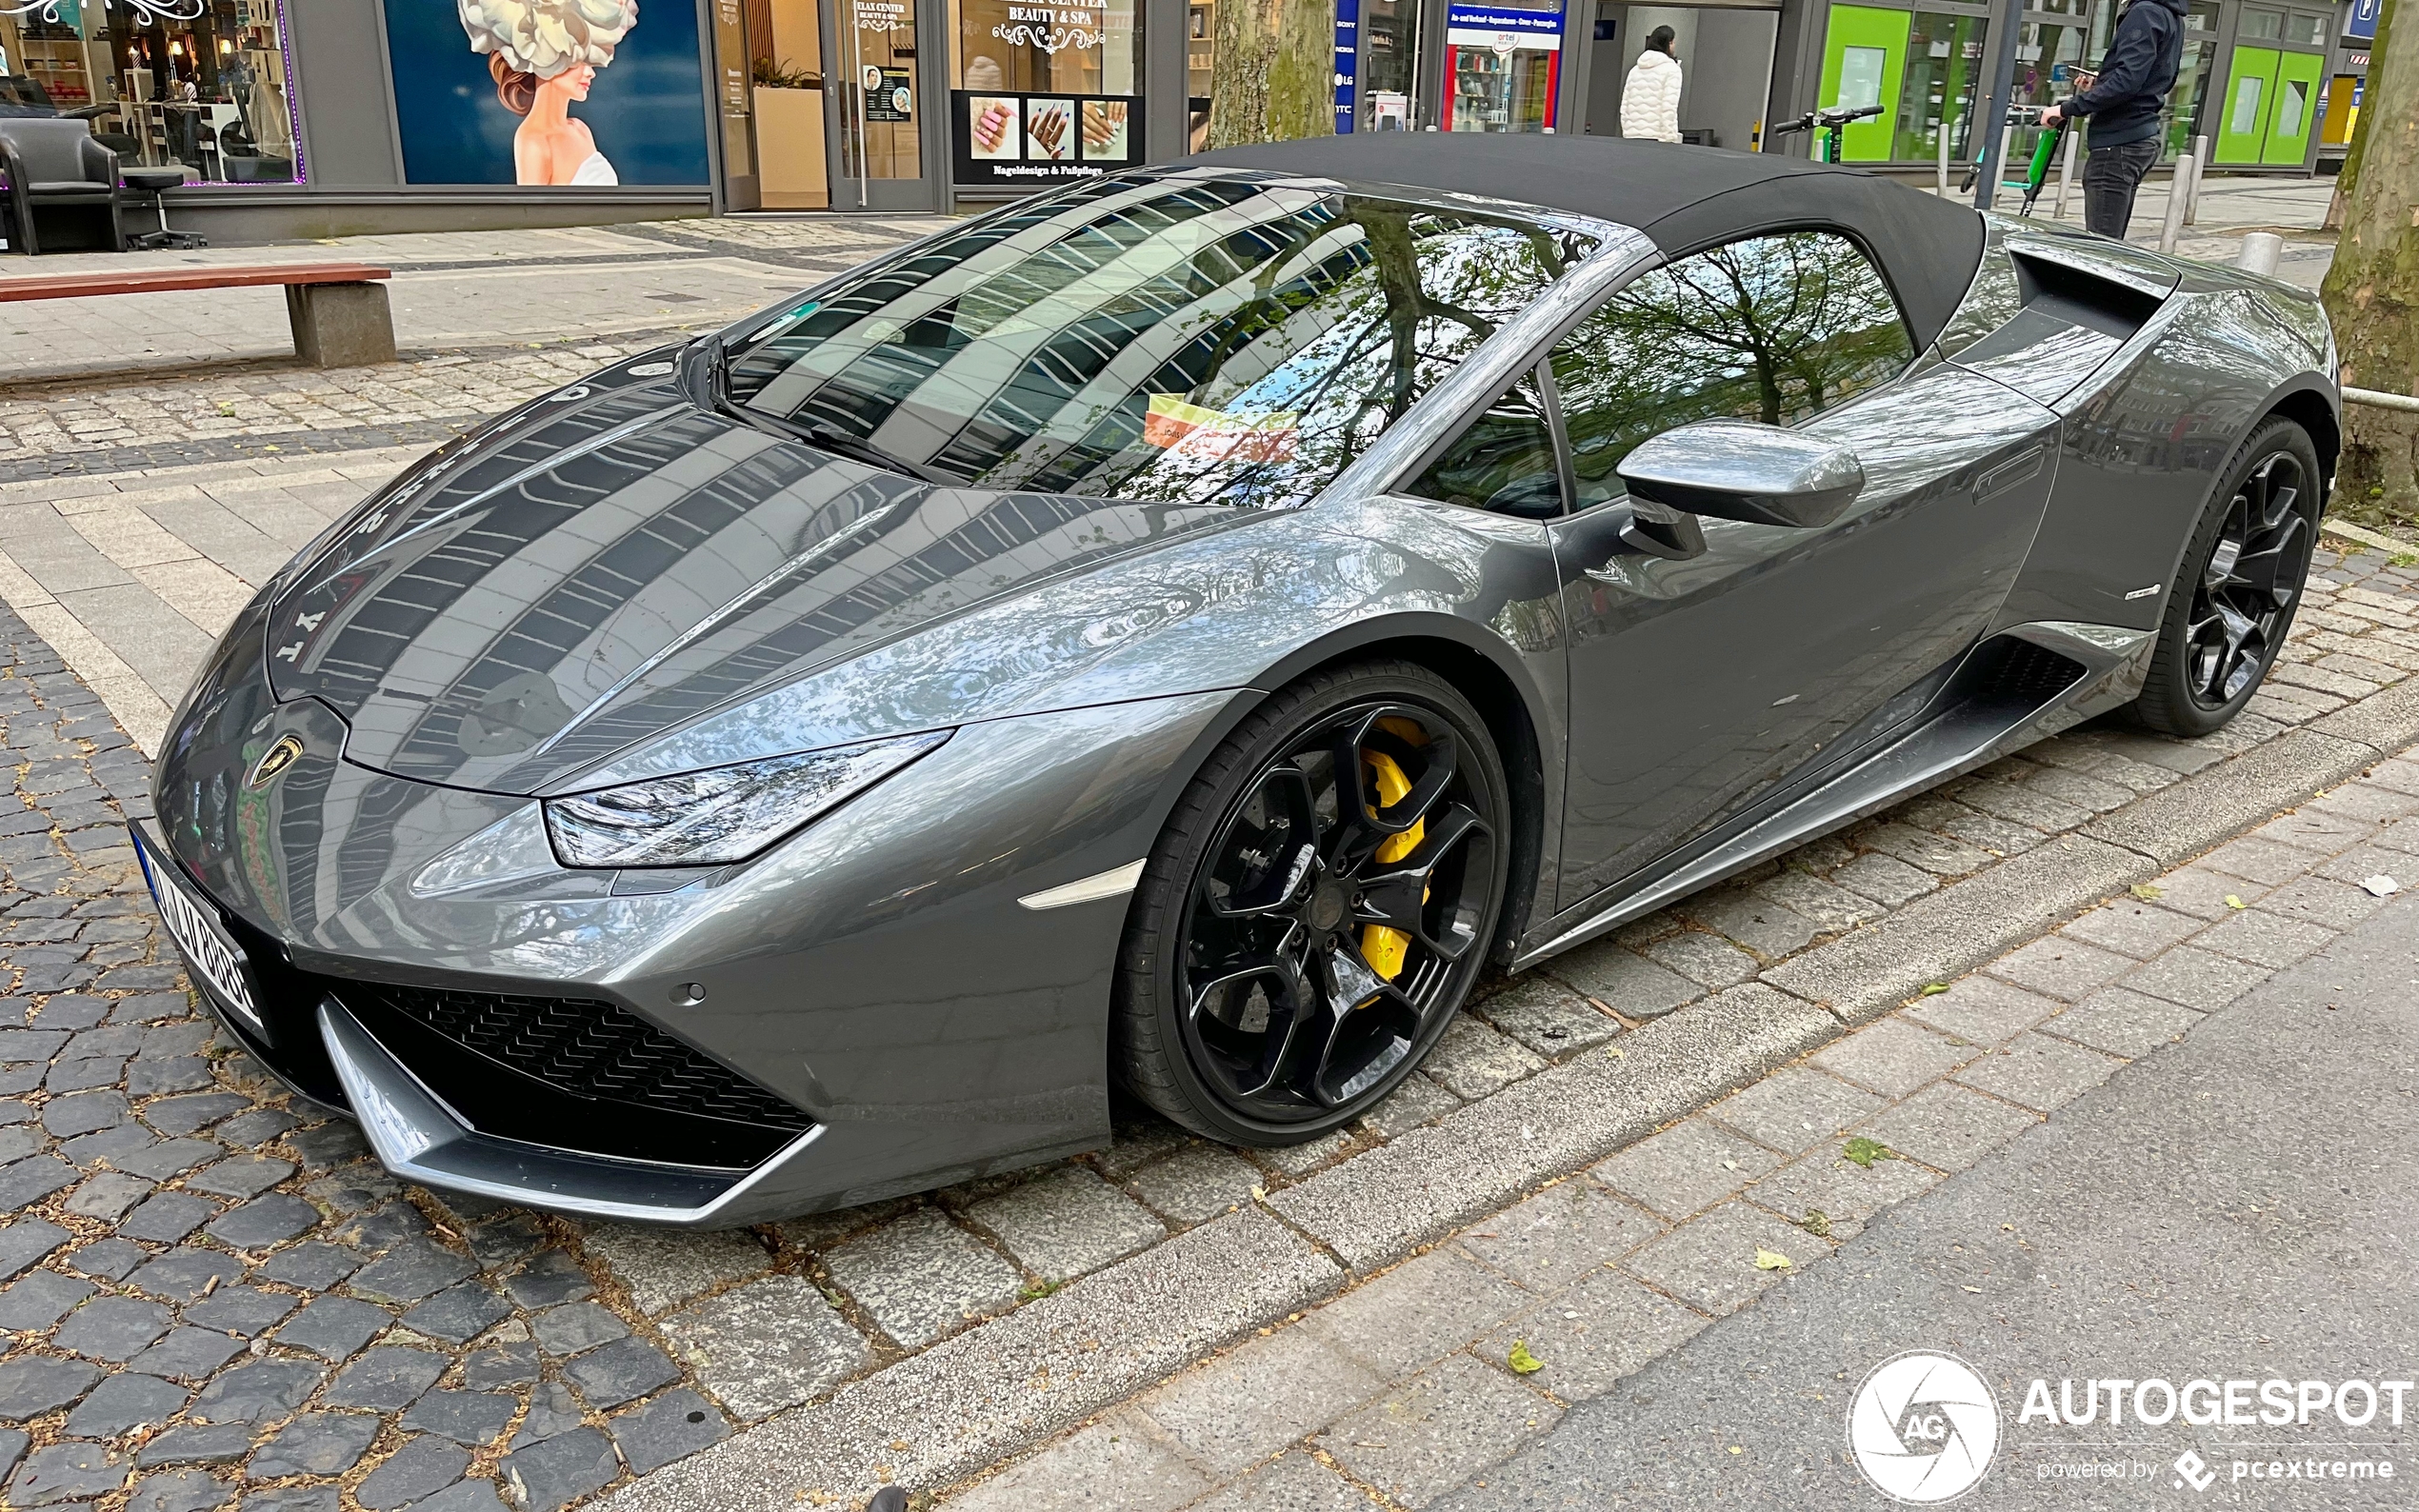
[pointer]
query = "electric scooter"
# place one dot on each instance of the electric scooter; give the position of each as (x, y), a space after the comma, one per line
(2045, 152)
(1832, 124)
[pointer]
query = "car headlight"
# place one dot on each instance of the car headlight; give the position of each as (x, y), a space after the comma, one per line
(721, 814)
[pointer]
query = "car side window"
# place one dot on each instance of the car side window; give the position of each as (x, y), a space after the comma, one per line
(1777, 328)
(1503, 461)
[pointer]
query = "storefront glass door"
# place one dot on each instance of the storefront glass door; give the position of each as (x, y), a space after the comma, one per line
(880, 104)
(1502, 65)
(1377, 44)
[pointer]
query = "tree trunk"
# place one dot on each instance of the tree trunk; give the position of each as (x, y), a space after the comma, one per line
(2372, 288)
(1273, 74)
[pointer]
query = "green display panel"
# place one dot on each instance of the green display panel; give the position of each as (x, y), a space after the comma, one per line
(2294, 116)
(2243, 111)
(1864, 57)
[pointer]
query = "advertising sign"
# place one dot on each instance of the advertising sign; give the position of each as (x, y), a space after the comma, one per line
(1007, 138)
(889, 95)
(1503, 29)
(578, 93)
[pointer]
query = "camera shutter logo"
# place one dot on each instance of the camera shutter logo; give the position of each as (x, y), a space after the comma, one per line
(276, 759)
(1923, 1428)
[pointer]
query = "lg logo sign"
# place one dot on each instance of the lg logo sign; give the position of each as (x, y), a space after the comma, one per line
(1923, 1428)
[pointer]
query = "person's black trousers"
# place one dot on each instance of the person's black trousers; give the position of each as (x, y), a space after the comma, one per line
(2110, 176)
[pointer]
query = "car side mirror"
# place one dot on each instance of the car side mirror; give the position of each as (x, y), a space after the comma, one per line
(1734, 469)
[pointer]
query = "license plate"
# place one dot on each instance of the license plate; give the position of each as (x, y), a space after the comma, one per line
(208, 948)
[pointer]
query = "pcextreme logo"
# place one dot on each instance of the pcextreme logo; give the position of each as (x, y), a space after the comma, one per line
(1923, 1427)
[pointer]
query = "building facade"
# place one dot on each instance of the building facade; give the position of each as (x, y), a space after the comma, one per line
(358, 115)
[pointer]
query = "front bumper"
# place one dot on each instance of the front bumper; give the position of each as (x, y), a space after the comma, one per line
(878, 1013)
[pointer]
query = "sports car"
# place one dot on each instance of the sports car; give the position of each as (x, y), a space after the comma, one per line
(1176, 632)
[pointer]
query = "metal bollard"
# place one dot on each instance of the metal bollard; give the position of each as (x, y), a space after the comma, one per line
(2260, 252)
(2174, 223)
(2066, 172)
(2200, 165)
(1943, 133)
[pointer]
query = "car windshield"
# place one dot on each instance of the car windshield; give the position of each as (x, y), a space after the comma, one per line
(1192, 340)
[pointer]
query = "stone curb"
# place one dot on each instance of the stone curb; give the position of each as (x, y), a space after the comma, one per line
(999, 1388)
(1373, 1210)
(2213, 805)
(1868, 971)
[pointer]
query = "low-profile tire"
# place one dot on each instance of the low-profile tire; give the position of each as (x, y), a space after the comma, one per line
(1297, 946)
(2234, 599)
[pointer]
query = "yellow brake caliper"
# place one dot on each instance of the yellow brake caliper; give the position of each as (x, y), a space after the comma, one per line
(1384, 947)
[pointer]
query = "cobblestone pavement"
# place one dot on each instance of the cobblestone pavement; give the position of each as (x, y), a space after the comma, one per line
(1428, 1377)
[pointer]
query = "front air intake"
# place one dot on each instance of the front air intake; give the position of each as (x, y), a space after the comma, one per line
(575, 1073)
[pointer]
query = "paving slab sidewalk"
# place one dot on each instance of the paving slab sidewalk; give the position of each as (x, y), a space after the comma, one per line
(1425, 1377)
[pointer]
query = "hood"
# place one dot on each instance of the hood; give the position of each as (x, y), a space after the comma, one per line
(1653, 59)
(619, 563)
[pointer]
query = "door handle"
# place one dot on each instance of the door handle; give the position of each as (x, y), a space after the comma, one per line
(2008, 473)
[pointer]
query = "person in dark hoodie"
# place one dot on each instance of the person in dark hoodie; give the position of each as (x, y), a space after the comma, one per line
(2123, 100)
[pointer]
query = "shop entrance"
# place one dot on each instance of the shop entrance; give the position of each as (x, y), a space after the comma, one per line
(1725, 60)
(2269, 111)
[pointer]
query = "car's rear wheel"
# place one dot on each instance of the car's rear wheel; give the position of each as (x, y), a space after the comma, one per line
(1317, 908)
(2233, 603)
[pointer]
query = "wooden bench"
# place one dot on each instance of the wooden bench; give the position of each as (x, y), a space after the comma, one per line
(338, 310)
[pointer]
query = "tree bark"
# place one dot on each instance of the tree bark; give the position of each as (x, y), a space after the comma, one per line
(1273, 75)
(2372, 288)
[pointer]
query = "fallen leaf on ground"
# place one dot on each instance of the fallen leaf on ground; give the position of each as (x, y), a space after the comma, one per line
(1522, 1361)
(1772, 1259)
(2149, 893)
(1865, 1152)
(1816, 1222)
(2232, 902)
(1933, 989)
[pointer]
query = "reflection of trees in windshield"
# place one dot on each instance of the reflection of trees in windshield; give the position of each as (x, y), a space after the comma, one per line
(1212, 342)
(1777, 328)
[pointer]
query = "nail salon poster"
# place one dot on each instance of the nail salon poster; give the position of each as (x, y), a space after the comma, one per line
(630, 110)
(1032, 140)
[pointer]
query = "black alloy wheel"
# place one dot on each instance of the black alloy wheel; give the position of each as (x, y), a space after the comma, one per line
(1318, 910)
(2229, 614)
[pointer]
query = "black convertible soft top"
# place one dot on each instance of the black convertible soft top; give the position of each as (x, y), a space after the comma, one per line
(1684, 198)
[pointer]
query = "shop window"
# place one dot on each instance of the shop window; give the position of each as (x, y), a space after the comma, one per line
(1201, 55)
(2307, 29)
(2260, 26)
(1944, 63)
(1044, 90)
(207, 92)
(1773, 329)
(1501, 65)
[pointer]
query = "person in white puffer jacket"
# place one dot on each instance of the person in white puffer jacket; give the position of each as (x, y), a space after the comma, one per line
(1651, 96)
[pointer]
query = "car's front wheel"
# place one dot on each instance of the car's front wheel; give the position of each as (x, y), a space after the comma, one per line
(2233, 603)
(1317, 908)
